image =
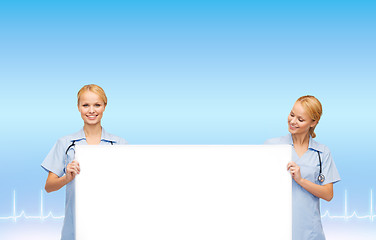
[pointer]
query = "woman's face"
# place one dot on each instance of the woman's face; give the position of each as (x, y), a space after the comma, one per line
(299, 121)
(91, 107)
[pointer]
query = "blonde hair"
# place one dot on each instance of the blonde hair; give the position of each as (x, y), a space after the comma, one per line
(95, 89)
(313, 108)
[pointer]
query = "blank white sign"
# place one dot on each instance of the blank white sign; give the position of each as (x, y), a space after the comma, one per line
(143, 192)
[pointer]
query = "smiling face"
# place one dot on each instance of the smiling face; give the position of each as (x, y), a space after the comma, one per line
(91, 106)
(299, 121)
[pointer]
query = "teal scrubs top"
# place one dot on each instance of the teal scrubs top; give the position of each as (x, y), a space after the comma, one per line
(57, 161)
(306, 217)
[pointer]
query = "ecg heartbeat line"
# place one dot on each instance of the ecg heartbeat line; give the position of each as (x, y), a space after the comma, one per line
(371, 216)
(41, 217)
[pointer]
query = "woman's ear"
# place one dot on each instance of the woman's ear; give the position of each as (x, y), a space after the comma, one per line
(314, 123)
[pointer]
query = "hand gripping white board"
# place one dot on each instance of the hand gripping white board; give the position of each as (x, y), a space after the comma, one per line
(178, 192)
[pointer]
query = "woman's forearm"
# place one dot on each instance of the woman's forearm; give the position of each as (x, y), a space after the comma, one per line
(55, 182)
(321, 191)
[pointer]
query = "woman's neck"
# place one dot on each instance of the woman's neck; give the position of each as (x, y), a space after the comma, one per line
(301, 143)
(93, 133)
(300, 139)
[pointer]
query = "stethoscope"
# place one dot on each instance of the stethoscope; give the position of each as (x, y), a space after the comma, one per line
(321, 177)
(74, 144)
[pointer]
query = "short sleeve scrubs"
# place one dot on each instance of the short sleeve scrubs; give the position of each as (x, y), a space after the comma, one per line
(57, 160)
(306, 217)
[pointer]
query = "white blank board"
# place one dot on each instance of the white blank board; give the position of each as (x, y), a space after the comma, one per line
(146, 192)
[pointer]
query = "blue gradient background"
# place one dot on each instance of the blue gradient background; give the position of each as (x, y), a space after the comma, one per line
(186, 72)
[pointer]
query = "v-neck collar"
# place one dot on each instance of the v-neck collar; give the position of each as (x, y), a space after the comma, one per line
(312, 145)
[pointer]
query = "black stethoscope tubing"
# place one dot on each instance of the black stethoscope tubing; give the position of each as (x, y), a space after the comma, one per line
(321, 177)
(74, 144)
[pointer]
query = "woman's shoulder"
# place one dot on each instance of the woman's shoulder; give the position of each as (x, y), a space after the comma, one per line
(111, 137)
(280, 140)
(73, 137)
(68, 139)
(319, 146)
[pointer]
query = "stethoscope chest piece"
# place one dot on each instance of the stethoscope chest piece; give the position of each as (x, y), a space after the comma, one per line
(321, 178)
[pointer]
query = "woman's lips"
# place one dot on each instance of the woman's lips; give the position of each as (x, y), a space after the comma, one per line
(91, 117)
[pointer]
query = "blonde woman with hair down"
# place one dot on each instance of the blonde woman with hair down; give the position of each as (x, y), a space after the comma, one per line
(312, 169)
(60, 162)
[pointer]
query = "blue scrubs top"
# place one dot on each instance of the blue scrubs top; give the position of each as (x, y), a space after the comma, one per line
(306, 217)
(57, 161)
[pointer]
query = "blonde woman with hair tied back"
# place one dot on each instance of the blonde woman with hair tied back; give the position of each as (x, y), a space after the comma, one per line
(60, 162)
(312, 169)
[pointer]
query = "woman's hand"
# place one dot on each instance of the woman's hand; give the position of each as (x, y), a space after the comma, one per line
(320, 191)
(54, 182)
(294, 171)
(73, 169)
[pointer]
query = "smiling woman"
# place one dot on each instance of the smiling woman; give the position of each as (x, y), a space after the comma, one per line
(312, 169)
(305, 115)
(60, 163)
(91, 107)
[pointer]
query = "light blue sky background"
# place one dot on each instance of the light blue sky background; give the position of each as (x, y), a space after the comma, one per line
(186, 72)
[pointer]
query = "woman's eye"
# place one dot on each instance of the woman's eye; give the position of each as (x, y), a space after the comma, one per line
(85, 105)
(301, 120)
(97, 105)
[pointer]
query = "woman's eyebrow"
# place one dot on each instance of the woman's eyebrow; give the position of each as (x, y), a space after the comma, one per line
(297, 115)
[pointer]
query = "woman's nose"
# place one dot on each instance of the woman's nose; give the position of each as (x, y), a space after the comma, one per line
(91, 109)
